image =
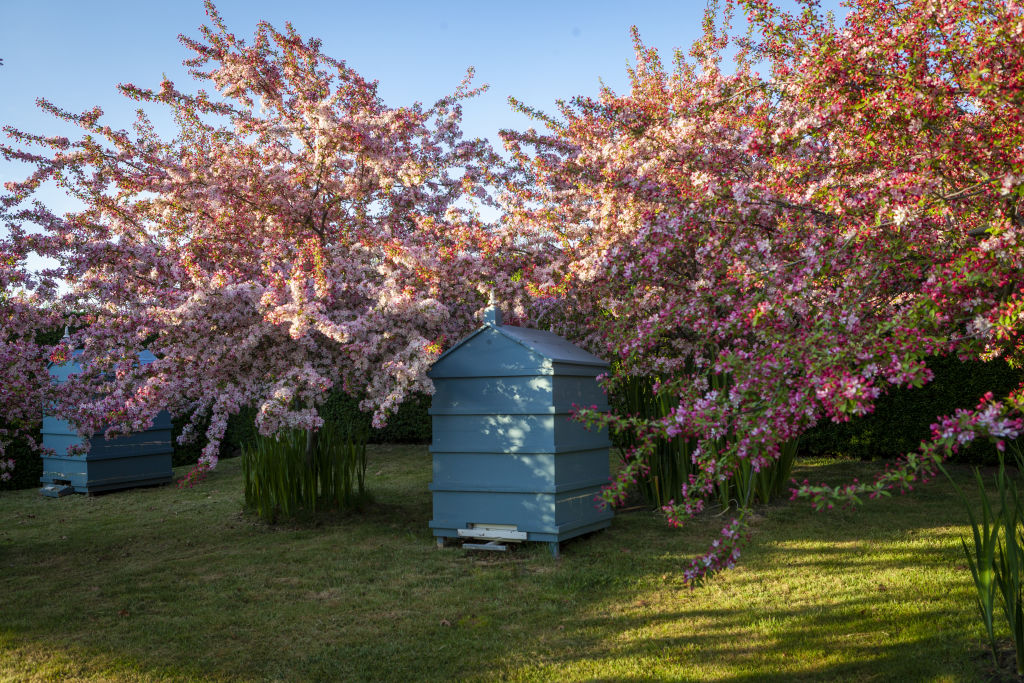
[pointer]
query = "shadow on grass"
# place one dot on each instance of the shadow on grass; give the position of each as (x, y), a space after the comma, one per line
(815, 650)
(179, 585)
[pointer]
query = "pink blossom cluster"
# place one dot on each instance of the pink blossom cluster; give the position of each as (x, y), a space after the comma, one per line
(722, 554)
(196, 475)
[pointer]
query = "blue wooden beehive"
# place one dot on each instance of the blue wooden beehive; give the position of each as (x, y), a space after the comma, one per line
(140, 459)
(509, 462)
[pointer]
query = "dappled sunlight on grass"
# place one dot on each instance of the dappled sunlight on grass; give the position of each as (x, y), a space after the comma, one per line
(161, 584)
(865, 595)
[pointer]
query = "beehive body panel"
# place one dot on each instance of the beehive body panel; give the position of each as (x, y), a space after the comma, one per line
(492, 395)
(582, 469)
(108, 474)
(150, 442)
(572, 435)
(56, 426)
(60, 469)
(60, 373)
(543, 516)
(581, 392)
(494, 433)
(519, 472)
(132, 470)
(530, 512)
(523, 472)
(61, 443)
(581, 508)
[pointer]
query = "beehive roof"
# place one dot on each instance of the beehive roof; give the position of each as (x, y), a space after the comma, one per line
(546, 344)
(550, 345)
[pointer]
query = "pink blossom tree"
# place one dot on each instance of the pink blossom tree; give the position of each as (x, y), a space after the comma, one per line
(785, 246)
(295, 234)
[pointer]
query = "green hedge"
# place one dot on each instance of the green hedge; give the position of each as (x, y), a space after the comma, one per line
(28, 466)
(411, 424)
(900, 422)
(903, 418)
(240, 430)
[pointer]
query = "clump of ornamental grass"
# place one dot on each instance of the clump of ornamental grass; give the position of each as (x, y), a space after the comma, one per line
(293, 476)
(996, 555)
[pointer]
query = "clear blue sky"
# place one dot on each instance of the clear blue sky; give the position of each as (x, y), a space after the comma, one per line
(75, 53)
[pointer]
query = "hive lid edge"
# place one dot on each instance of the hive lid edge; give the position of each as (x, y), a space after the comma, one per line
(548, 345)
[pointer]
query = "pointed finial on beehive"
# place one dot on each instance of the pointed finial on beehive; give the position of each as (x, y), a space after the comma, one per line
(492, 314)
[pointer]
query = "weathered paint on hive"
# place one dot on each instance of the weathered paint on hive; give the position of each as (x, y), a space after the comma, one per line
(140, 459)
(505, 449)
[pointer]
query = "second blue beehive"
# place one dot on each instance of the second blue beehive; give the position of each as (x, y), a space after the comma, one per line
(141, 459)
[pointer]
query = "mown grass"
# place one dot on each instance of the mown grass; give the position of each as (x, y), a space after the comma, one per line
(167, 584)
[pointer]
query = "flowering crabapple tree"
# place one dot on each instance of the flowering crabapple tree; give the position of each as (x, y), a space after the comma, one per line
(785, 246)
(295, 234)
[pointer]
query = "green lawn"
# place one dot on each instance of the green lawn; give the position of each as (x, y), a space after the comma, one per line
(162, 584)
